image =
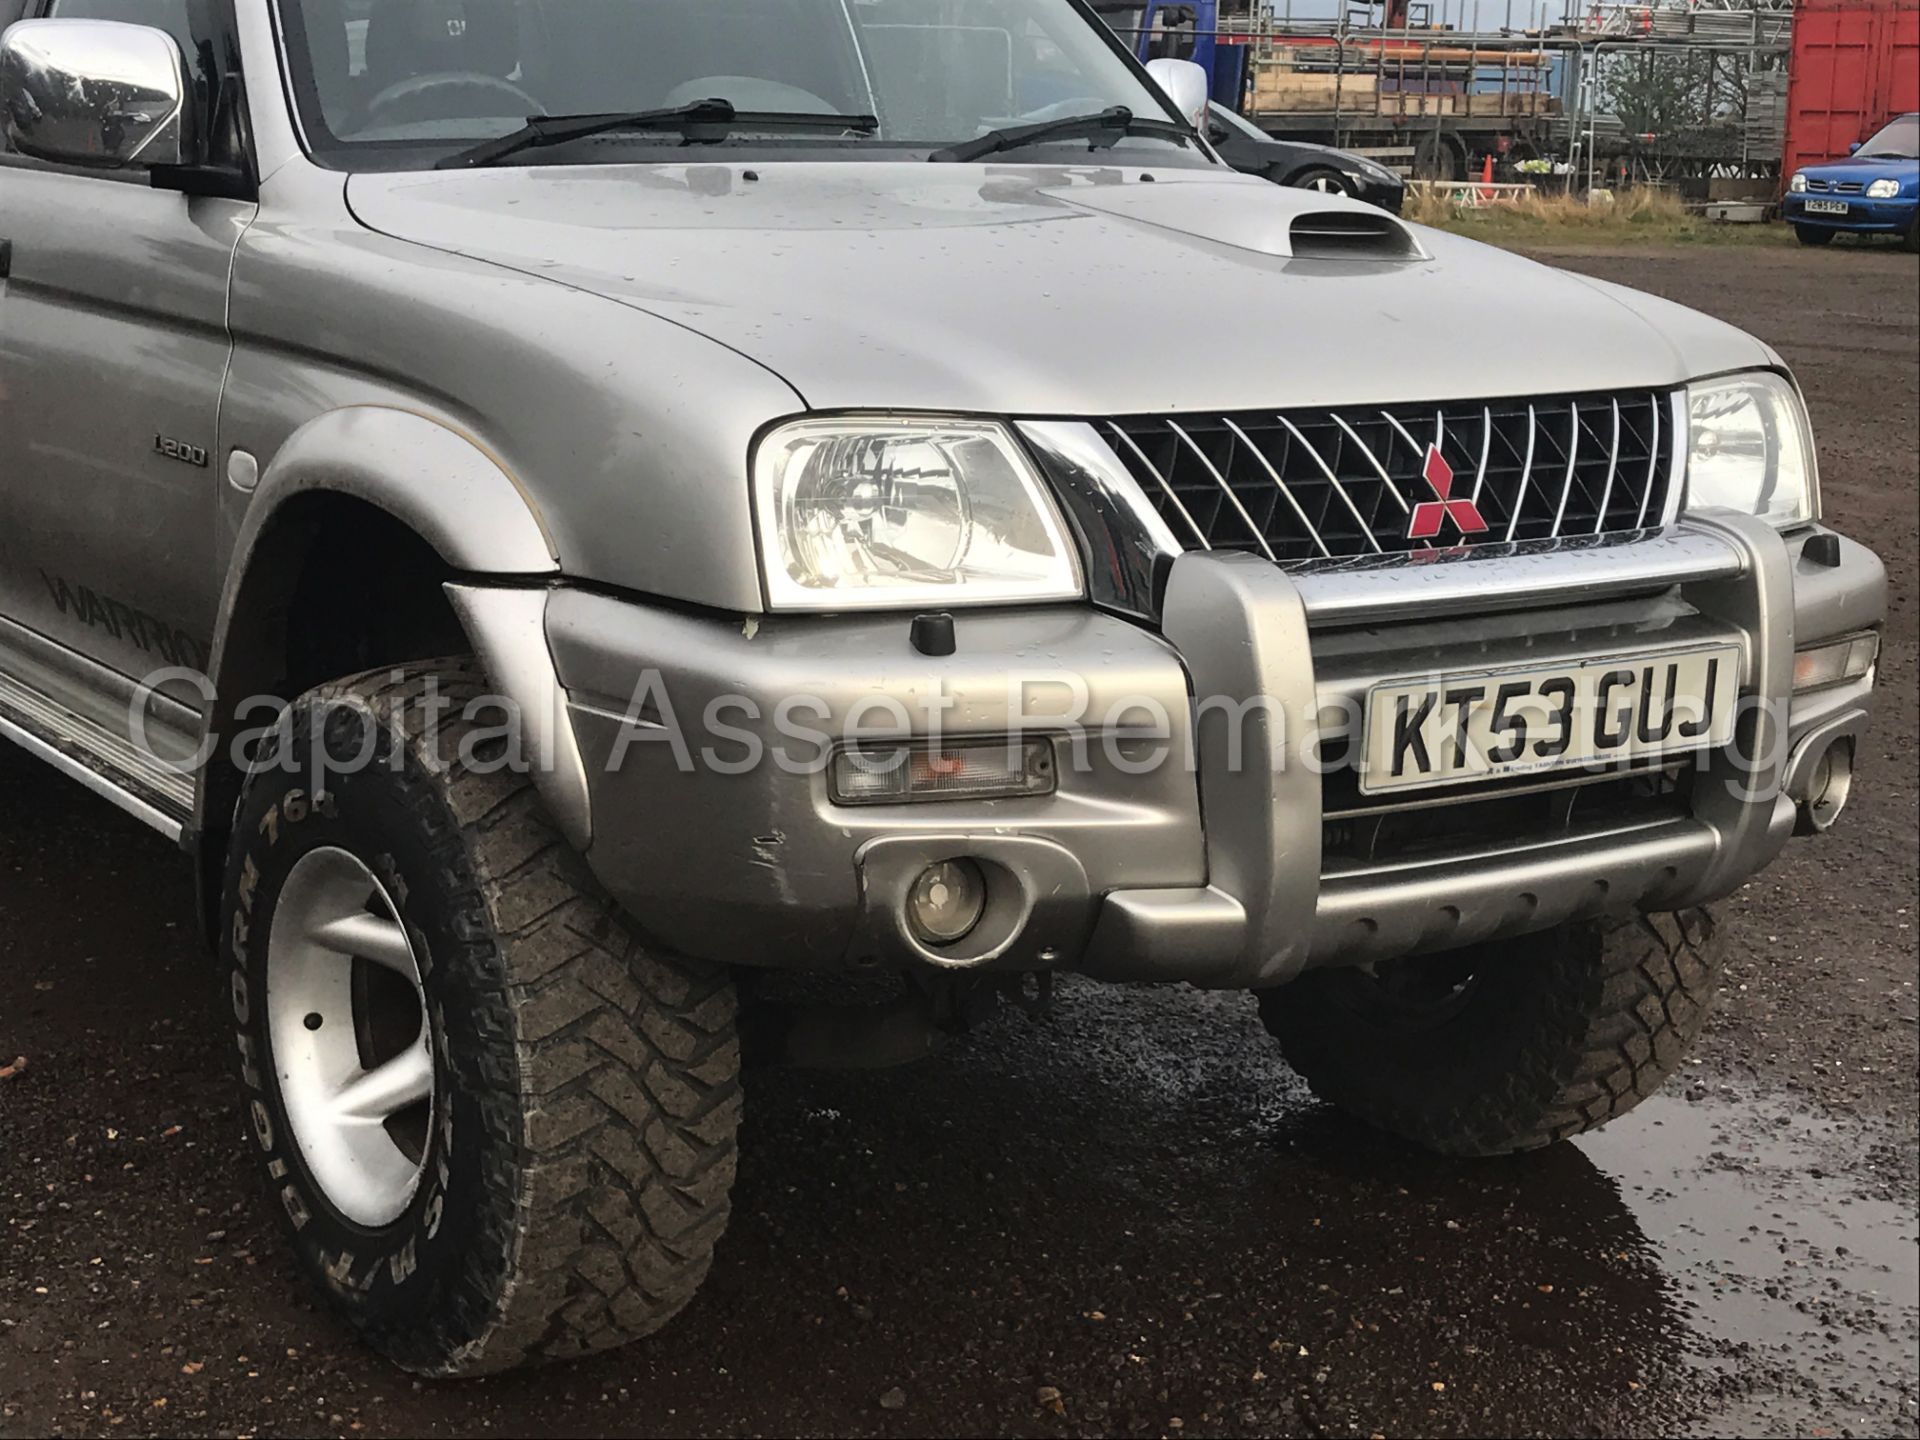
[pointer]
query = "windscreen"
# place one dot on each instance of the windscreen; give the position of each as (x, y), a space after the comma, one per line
(1899, 140)
(390, 82)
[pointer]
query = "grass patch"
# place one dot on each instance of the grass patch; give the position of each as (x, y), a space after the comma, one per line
(1645, 216)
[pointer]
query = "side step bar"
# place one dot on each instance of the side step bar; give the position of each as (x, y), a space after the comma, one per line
(144, 786)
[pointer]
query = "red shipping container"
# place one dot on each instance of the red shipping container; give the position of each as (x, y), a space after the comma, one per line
(1856, 64)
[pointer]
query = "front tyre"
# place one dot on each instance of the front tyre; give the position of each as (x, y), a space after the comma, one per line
(1506, 1046)
(497, 1128)
(1324, 179)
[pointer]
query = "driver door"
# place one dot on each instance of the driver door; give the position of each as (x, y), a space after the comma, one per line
(113, 348)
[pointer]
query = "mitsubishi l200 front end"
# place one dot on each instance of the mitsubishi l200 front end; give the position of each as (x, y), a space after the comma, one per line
(653, 495)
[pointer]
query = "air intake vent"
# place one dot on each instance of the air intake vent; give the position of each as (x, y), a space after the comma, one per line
(1351, 235)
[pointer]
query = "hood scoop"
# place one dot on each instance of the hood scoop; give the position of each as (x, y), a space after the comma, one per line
(1251, 215)
(1351, 235)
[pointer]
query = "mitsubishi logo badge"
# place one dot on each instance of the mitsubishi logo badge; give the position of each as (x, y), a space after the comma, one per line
(1430, 515)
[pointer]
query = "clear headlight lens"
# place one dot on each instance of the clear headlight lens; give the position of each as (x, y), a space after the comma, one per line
(1883, 189)
(884, 512)
(1798, 184)
(1750, 448)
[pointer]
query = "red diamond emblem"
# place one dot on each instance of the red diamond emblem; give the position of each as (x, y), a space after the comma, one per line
(1430, 515)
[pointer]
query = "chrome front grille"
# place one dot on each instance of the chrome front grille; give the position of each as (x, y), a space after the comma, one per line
(1839, 187)
(1329, 484)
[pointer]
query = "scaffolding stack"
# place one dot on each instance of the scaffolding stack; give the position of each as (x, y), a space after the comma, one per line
(1603, 92)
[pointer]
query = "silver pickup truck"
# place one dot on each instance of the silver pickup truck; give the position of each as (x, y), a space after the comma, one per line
(608, 527)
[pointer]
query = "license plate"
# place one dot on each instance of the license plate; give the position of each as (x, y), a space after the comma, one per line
(1454, 729)
(1826, 207)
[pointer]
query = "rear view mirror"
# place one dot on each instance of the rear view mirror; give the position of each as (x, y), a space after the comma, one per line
(97, 93)
(1186, 84)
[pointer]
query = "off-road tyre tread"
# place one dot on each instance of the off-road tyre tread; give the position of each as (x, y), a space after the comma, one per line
(612, 1095)
(1583, 1023)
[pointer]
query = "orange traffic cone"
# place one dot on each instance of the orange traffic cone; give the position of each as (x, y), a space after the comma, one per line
(1486, 180)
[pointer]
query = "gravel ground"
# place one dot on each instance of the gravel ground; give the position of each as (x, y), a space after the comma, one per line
(1129, 1218)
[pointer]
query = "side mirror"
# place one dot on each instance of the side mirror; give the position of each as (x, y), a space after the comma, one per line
(97, 93)
(1854, 148)
(1186, 84)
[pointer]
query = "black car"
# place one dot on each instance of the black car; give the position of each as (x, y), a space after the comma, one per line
(1247, 148)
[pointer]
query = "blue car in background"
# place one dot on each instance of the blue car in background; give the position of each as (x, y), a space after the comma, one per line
(1875, 191)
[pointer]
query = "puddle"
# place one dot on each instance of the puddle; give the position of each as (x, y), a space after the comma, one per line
(1795, 1276)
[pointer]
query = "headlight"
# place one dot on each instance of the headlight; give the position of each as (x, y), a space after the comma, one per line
(1883, 189)
(1750, 448)
(1798, 184)
(886, 512)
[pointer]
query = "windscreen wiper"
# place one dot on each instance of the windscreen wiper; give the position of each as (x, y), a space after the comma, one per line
(1104, 128)
(703, 120)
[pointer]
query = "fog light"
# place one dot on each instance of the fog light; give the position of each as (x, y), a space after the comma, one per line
(1835, 663)
(947, 901)
(969, 770)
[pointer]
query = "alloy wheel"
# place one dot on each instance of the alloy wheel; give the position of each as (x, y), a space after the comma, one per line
(352, 1043)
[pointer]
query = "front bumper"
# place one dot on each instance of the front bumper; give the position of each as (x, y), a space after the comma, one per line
(1866, 217)
(698, 809)
(1389, 195)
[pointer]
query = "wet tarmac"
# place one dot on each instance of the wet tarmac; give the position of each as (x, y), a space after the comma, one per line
(1130, 1217)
